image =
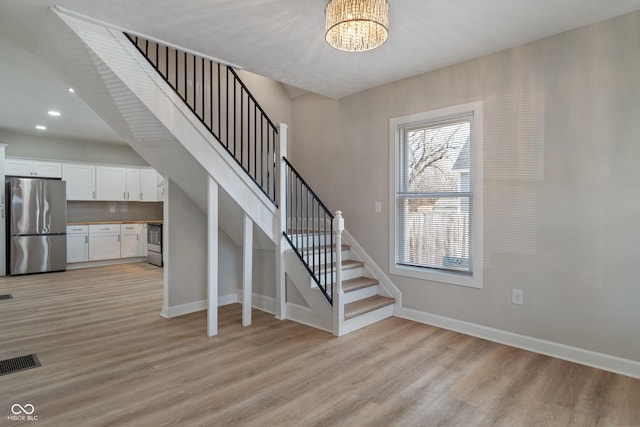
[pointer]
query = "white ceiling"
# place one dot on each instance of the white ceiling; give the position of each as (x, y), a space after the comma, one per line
(279, 39)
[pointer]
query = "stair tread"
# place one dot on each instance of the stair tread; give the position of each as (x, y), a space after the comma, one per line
(358, 283)
(347, 264)
(366, 305)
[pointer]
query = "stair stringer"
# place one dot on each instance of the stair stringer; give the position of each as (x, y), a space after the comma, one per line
(386, 287)
(313, 297)
(123, 60)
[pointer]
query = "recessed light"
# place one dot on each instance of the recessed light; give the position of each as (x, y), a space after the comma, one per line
(71, 90)
(54, 113)
(40, 127)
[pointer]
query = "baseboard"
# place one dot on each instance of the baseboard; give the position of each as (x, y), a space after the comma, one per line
(594, 359)
(182, 309)
(116, 261)
(192, 307)
(260, 302)
(304, 315)
(227, 299)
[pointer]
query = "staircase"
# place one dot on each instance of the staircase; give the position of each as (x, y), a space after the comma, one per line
(218, 125)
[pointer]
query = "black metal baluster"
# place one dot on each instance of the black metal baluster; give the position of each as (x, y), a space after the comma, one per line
(195, 98)
(241, 127)
(325, 257)
(296, 216)
(261, 151)
(186, 91)
(234, 117)
(219, 105)
(202, 85)
(255, 142)
(211, 95)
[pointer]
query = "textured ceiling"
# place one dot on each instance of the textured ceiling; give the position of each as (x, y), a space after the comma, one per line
(284, 40)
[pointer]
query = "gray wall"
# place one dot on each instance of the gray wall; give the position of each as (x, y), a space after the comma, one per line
(561, 162)
(186, 257)
(40, 147)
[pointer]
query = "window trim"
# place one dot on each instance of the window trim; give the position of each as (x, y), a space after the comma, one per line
(474, 279)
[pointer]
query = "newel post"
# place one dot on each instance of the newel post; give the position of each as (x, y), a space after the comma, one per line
(338, 303)
(281, 303)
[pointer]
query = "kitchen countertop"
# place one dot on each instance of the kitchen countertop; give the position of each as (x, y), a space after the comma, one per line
(145, 221)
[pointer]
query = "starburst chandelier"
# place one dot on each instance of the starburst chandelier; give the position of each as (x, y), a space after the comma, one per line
(356, 25)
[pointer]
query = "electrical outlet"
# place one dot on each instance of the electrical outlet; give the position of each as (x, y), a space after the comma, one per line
(378, 207)
(517, 296)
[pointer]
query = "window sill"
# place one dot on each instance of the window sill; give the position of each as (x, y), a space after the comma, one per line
(433, 275)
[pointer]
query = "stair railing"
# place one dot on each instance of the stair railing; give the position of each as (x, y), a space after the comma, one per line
(310, 231)
(223, 104)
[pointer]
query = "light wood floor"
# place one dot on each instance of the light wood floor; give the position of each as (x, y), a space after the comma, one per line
(108, 358)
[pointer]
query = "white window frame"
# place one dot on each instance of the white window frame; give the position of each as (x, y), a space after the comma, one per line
(474, 279)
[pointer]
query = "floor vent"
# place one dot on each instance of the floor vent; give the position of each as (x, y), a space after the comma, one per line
(17, 364)
(6, 296)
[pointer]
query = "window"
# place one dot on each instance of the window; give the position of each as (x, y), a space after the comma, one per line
(436, 223)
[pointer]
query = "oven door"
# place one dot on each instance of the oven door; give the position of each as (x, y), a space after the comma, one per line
(154, 238)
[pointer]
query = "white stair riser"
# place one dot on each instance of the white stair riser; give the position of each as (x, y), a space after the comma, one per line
(363, 293)
(367, 319)
(352, 273)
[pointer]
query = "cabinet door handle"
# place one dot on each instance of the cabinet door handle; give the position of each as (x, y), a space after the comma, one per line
(118, 237)
(137, 236)
(86, 240)
(94, 194)
(124, 195)
(140, 196)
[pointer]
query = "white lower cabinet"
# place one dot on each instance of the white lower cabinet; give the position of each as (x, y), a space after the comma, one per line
(104, 241)
(132, 242)
(98, 242)
(77, 243)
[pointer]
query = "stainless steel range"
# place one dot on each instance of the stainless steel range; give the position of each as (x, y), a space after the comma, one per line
(154, 243)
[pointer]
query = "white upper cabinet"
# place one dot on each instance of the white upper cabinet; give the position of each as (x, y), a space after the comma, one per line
(81, 181)
(91, 182)
(133, 184)
(149, 185)
(33, 168)
(111, 183)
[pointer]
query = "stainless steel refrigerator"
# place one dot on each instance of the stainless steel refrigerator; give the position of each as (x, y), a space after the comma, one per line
(36, 225)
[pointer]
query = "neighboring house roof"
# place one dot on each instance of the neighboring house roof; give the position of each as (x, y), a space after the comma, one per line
(463, 162)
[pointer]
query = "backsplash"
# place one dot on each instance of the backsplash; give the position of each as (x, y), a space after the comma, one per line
(78, 211)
